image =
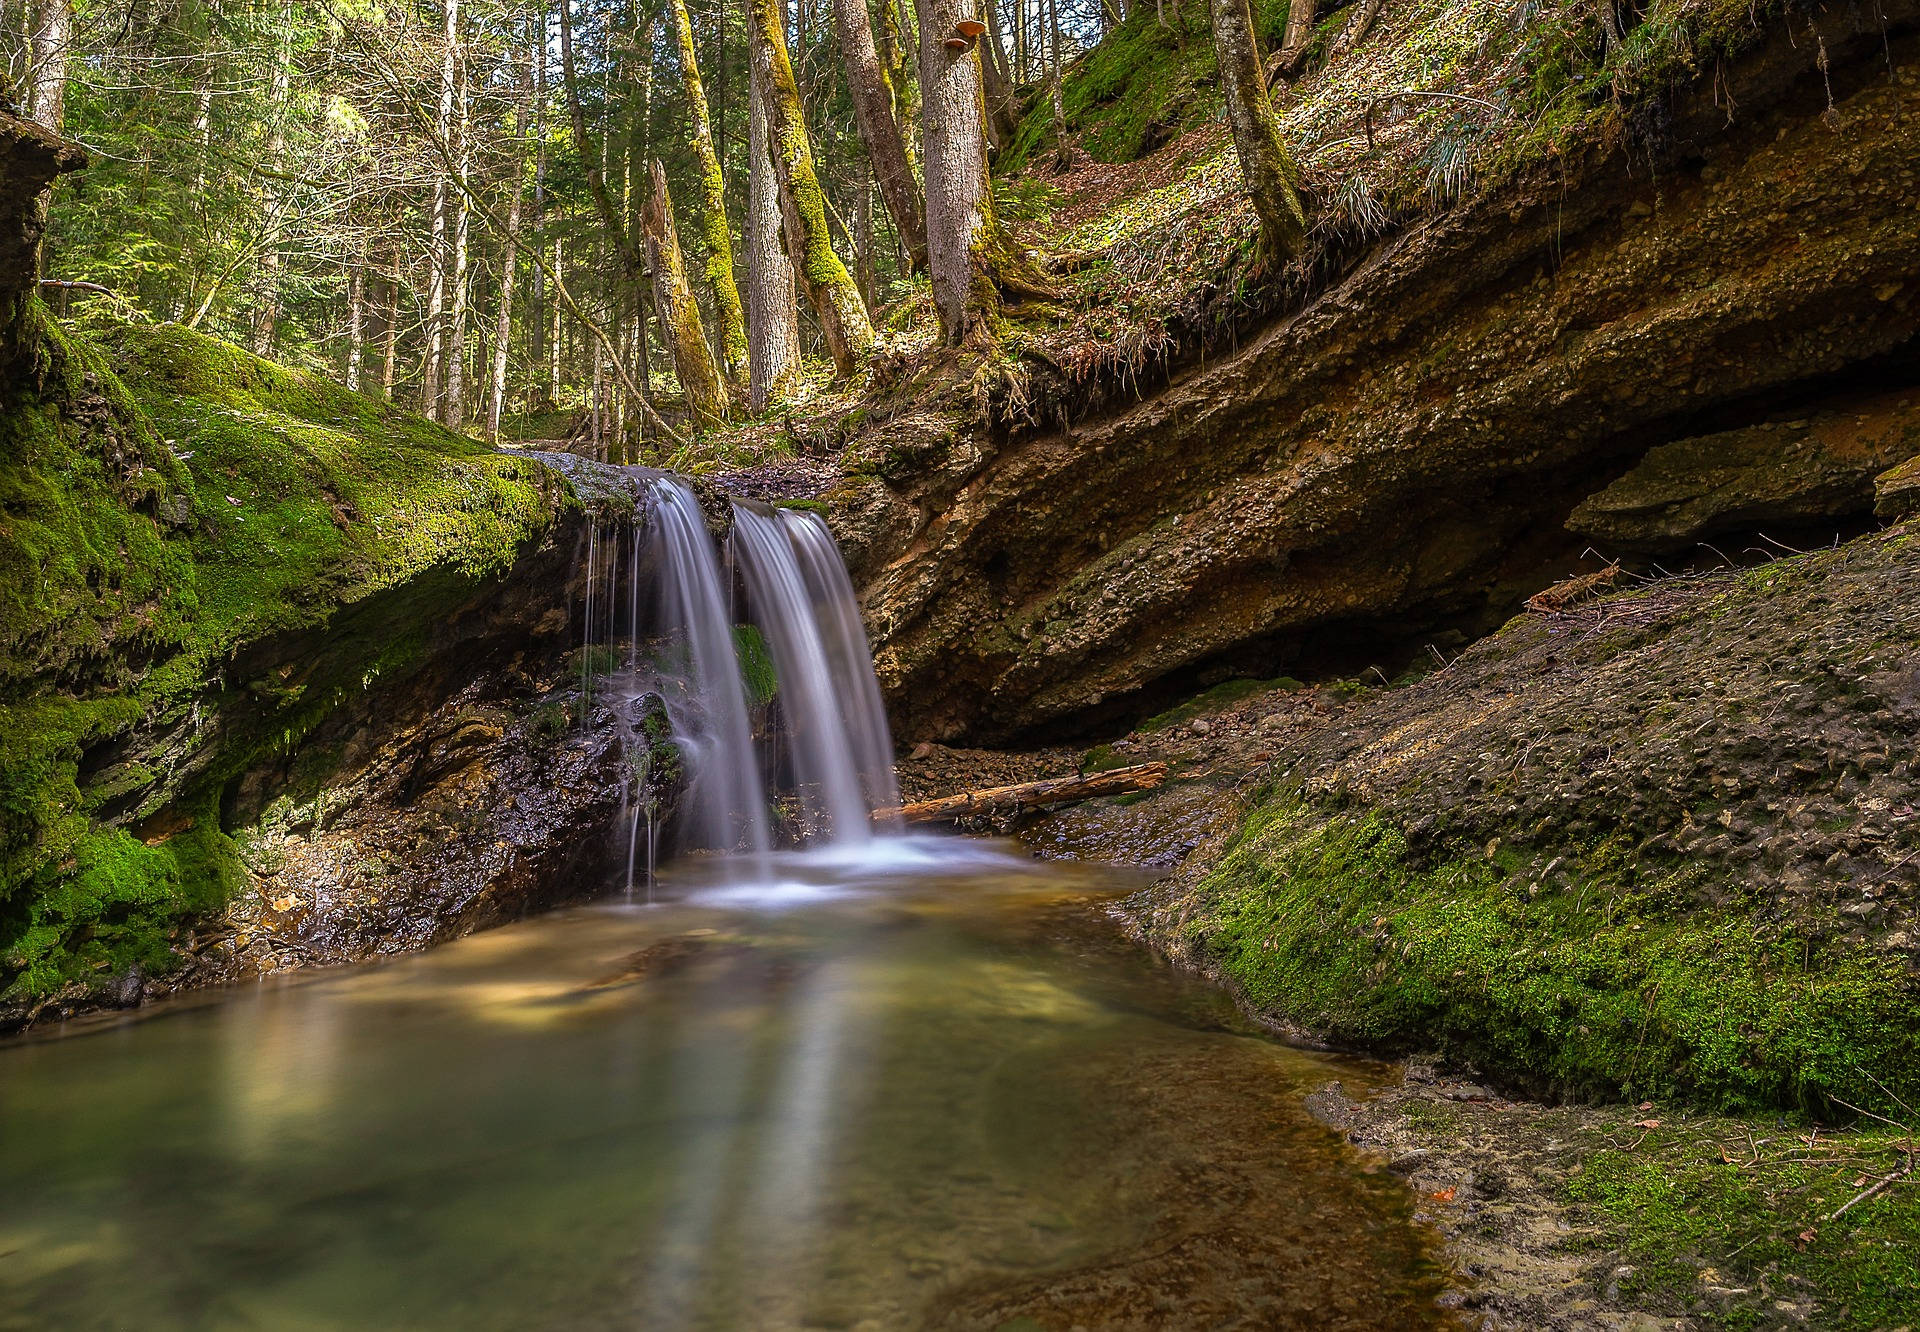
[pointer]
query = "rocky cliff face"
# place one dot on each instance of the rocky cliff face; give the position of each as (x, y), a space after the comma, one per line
(1399, 458)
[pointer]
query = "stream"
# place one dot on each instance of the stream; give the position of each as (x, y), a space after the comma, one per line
(927, 1083)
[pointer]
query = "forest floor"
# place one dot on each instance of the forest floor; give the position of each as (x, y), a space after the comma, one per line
(1740, 738)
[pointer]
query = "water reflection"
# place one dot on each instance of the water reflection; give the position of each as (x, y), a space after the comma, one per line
(929, 1091)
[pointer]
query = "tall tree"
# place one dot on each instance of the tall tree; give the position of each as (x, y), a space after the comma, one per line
(873, 108)
(679, 314)
(1003, 107)
(714, 232)
(773, 326)
(830, 288)
(432, 366)
(1273, 181)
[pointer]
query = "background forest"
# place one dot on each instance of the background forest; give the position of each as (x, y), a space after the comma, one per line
(450, 204)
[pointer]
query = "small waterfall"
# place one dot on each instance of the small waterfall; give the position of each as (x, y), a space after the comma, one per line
(728, 803)
(664, 652)
(803, 601)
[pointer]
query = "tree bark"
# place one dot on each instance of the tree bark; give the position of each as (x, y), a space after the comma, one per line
(773, 325)
(1271, 177)
(714, 231)
(1029, 795)
(1298, 37)
(454, 408)
(874, 100)
(356, 322)
(431, 362)
(1003, 110)
(503, 328)
(960, 222)
(896, 45)
(830, 288)
(1056, 90)
(391, 348)
(537, 279)
(49, 49)
(679, 314)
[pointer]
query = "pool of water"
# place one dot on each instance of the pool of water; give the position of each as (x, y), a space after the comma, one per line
(933, 1087)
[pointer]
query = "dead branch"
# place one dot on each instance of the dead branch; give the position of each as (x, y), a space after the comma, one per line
(1030, 795)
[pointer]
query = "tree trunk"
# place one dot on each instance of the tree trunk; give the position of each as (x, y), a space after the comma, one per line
(503, 327)
(874, 100)
(960, 224)
(1299, 36)
(553, 340)
(630, 257)
(1271, 176)
(390, 352)
(537, 279)
(679, 314)
(266, 320)
(830, 288)
(714, 232)
(1056, 90)
(773, 326)
(49, 49)
(896, 57)
(431, 358)
(454, 408)
(864, 276)
(356, 322)
(1003, 111)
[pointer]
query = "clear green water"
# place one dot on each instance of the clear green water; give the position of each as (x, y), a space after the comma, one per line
(918, 1097)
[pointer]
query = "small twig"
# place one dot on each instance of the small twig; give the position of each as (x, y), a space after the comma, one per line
(1869, 1192)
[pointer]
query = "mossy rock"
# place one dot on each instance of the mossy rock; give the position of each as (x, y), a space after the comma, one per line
(168, 505)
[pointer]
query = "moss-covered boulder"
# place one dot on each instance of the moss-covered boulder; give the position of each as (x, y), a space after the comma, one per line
(203, 558)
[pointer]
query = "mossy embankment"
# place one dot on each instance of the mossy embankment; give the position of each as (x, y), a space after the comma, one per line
(204, 555)
(1662, 844)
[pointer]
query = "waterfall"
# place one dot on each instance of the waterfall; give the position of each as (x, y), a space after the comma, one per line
(727, 801)
(803, 602)
(664, 650)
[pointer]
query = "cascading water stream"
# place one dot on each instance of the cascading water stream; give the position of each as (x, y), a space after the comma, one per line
(727, 801)
(664, 652)
(836, 727)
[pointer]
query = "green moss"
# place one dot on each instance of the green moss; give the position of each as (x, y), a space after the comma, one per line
(1622, 983)
(1224, 694)
(1694, 1205)
(166, 499)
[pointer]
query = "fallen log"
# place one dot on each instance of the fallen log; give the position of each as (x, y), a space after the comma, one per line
(1030, 795)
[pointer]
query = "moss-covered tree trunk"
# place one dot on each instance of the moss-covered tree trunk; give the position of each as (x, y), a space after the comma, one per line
(960, 226)
(715, 235)
(830, 288)
(773, 327)
(686, 337)
(1271, 176)
(873, 108)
